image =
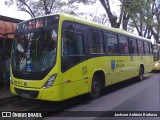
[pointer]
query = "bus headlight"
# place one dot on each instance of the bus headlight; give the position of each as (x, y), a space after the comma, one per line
(157, 64)
(50, 81)
(11, 81)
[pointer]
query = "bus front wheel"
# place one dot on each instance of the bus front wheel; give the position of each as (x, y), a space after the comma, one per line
(96, 87)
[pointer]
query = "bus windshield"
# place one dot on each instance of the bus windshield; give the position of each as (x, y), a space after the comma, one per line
(155, 55)
(156, 52)
(34, 50)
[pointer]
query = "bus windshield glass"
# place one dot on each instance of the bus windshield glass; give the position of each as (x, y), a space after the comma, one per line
(156, 52)
(34, 50)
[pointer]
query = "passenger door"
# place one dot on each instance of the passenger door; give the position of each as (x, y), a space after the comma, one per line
(74, 67)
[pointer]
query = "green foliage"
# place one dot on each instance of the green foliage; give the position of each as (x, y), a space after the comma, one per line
(141, 15)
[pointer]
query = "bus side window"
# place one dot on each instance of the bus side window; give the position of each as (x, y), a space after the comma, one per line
(112, 43)
(132, 46)
(71, 45)
(80, 44)
(95, 42)
(68, 47)
(146, 47)
(123, 45)
(140, 47)
(150, 48)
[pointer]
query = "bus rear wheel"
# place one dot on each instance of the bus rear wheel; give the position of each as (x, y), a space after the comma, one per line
(141, 73)
(96, 87)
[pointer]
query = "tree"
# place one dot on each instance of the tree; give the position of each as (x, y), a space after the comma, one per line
(142, 14)
(43, 7)
(111, 16)
(156, 25)
(85, 2)
(117, 20)
(139, 14)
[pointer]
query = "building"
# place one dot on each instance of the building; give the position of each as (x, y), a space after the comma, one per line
(7, 28)
(7, 25)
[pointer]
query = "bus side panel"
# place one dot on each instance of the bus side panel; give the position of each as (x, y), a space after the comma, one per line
(75, 81)
(133, 66)
(110, 69)
(107, 64)
(123, 64)
(149, 64)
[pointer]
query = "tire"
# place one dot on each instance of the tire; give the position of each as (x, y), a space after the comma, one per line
(96, 87)
(141, 73)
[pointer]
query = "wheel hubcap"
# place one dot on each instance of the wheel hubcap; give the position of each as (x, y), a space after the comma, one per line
(95, 87)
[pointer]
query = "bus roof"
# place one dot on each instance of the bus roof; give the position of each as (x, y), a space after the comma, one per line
(94, 24)
(98, 25)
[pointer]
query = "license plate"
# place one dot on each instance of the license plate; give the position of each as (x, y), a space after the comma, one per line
(25, 95)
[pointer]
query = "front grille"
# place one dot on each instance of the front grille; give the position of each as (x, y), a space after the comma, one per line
(30, 93)
(30, 76)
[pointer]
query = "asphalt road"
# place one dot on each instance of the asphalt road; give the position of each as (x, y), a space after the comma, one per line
(128, 96)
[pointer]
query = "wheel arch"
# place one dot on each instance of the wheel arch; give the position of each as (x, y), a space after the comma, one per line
(101, 74)
(141, 65)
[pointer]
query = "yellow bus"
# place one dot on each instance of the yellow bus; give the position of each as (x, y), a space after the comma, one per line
(156, 56)
(61, 56)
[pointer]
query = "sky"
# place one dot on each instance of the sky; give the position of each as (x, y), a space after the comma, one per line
(12, 11)
(96, 9)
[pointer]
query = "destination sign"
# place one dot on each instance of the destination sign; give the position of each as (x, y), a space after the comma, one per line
(38, 23)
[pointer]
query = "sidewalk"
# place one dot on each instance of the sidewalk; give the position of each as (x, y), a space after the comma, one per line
(4, 93)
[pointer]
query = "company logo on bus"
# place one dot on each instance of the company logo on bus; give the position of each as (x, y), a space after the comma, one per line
(113, 65)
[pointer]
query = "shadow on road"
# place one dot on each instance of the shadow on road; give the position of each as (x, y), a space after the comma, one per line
(54, 108)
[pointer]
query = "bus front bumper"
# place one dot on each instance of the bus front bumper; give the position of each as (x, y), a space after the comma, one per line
(50, 94)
